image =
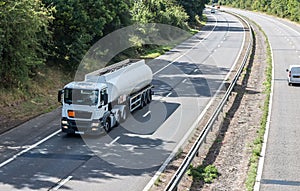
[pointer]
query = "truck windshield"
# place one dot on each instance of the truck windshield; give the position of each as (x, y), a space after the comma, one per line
(81, 96)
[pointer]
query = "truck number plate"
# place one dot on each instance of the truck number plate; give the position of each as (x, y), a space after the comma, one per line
(79, 132)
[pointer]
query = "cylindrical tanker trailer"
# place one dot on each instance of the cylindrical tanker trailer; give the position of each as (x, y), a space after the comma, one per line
(105, 97)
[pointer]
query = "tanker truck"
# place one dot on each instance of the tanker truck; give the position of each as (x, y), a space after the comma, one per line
(105, 97)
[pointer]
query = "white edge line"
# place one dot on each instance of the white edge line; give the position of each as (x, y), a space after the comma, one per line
(171, 156)
(62, 183)
(266, 135)
(29, 148)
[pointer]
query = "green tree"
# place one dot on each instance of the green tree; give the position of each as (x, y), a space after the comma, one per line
(294, 10)
(193, 8)
(79, 24)
(75, 25)
(120, 12)
(279, 8)
(23, 30)
(159, 11)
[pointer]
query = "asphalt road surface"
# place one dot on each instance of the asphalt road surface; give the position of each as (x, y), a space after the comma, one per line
(37, 156)
(281, 167)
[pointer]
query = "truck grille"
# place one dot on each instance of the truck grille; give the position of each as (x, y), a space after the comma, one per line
(83, 114)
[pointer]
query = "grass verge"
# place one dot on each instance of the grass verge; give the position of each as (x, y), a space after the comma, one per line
(37, 97)
(203, 173)
(257, 144)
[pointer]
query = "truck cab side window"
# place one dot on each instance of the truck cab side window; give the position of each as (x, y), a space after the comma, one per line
(104, 97)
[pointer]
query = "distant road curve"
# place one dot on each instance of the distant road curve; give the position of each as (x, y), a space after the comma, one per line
(280, 167)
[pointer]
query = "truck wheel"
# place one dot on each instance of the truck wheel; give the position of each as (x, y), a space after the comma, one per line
(149, 96)
(107, 126)
(124, 116)
(142, 101)
(145, 95)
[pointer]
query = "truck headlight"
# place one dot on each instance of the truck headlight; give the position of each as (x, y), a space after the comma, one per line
(64, 122)
(95, 124)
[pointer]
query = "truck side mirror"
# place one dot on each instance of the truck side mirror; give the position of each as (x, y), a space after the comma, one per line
(59, 96)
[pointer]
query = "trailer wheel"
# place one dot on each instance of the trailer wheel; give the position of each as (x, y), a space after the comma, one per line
(107, 126)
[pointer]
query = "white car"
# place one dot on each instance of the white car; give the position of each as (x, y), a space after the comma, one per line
(293, 74)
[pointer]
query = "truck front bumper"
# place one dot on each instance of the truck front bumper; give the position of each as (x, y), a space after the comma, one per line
(93, 127)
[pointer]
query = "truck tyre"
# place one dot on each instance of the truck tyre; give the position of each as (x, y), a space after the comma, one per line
(106, 125)
(149, 96)
(142, 104)
(124, 116)
(145, 98)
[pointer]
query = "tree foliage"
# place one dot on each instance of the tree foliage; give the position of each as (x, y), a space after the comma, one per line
(23, 31)
(79, 23)
(75, 25)
(193, 8)
(282, 8)
(159, 11)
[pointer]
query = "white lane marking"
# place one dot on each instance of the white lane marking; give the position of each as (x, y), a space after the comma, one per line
(62, 183)
(187, 50)
(29, 148)
(112, 142)
(184, 80)
(18, 147)
(146, 113)
(137, 135)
